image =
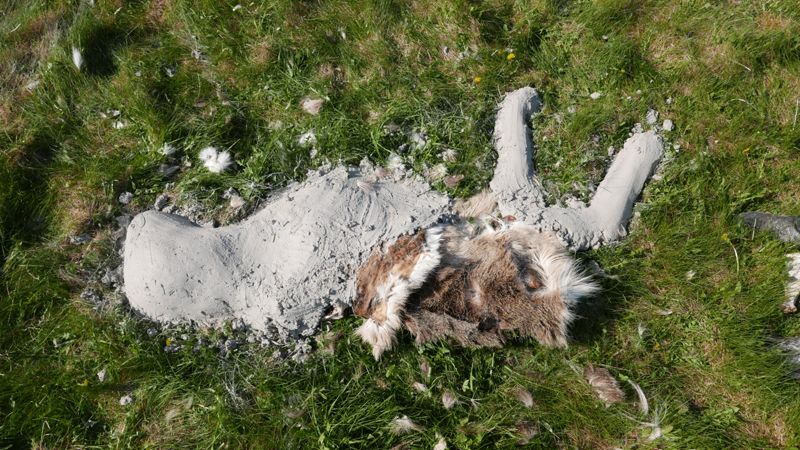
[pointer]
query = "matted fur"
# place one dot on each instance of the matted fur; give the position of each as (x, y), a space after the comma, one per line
(386, 282)
(482, 282)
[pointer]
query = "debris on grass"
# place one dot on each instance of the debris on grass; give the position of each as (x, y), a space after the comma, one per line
(452, 181)
(644, 405)
(441, 443)
(32, 85)
(126, 400)
(234, 199)
(425, 369)
(161, 202)
(668, 125)
(418, 140)
(79, 239)
(101, 375)
(605, 386)
(595, 95)
(167, 171)
(436, 173)
(395, 163)
(307, 138)
(449, 155)
(793, 283)
(524, 396)
(652, 116)
(420, 387)
(168, 149)
(449, 399)
(526, 431)
(312, 105)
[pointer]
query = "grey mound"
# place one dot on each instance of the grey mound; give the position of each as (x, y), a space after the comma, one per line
(282, 268)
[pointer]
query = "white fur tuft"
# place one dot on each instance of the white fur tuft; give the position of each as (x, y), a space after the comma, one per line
(560, 274)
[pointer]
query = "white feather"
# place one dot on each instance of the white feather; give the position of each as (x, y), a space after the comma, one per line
(208, 153)
(402, 425)
(395, 163)
(215, 162)
(77, 58)
(644, 406)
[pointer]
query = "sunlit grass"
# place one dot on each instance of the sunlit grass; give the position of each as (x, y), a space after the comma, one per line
(681, 313)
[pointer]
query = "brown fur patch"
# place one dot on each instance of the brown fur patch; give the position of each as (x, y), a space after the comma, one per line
(400, 259)
(484, 283)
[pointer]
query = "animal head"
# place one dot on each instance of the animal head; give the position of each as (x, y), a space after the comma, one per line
(386, 281)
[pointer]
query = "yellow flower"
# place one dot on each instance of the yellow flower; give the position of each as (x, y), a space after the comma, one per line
(476, 80)
(169, 341)
(511, 56)
(84, 383)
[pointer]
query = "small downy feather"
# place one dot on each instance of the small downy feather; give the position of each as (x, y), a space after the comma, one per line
(449, 399)
(402, 425)
(395, 163)
(525, 397)
(425, 369)
(441, 444)
(215, 162)
(419, 387)
(604, 384)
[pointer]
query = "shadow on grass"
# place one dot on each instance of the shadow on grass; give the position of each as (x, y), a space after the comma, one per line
(596, 314)
(23, 190)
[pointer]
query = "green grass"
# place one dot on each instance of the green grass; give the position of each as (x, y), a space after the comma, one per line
(731, 68)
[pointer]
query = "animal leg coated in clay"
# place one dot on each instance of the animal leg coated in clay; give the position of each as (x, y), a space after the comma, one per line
(519, 193)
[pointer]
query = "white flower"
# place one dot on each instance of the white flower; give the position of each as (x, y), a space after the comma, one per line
(595, 95)
(77, 58)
